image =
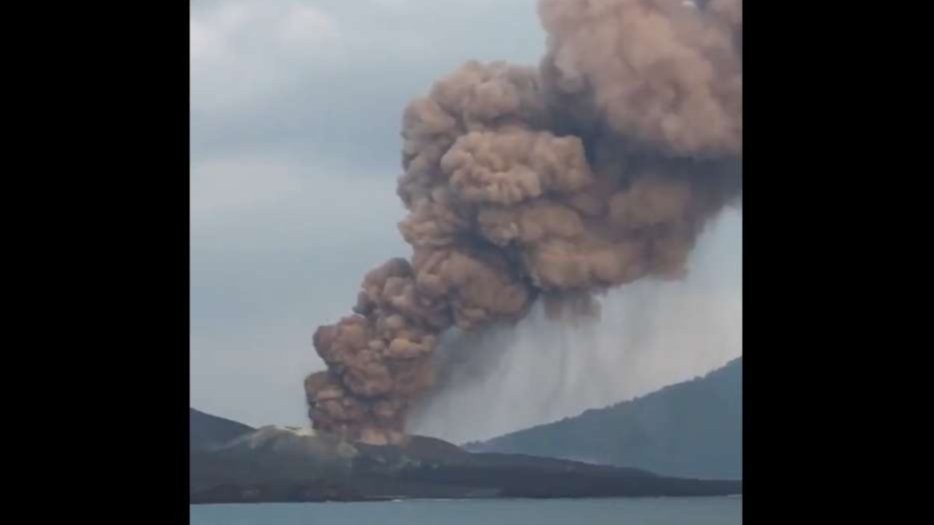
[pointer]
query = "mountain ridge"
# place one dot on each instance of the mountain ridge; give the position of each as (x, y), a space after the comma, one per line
(688, 429)
(206, 430)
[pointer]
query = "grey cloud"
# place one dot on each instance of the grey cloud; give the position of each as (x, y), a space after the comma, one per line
(348, 97)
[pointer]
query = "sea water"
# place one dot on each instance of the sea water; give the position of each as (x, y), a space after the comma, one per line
(622, 511)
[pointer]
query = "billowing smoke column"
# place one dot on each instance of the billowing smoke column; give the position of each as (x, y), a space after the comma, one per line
(597, 169)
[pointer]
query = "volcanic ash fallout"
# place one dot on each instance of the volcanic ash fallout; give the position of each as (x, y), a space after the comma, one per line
(597, 168)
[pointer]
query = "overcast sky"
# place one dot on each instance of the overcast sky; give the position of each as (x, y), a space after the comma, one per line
(295, 117)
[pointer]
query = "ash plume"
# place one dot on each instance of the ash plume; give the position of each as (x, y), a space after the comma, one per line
(596, 169)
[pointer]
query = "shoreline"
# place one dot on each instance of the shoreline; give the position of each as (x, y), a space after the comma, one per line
(406, 500)
(402, 499)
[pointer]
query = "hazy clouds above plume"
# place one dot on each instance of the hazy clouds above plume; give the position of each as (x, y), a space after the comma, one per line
(295, 117)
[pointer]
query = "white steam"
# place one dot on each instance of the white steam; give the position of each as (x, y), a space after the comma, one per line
(650, 334)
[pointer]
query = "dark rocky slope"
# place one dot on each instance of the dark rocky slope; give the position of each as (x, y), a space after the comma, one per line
(279, 464)
(690, 429)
